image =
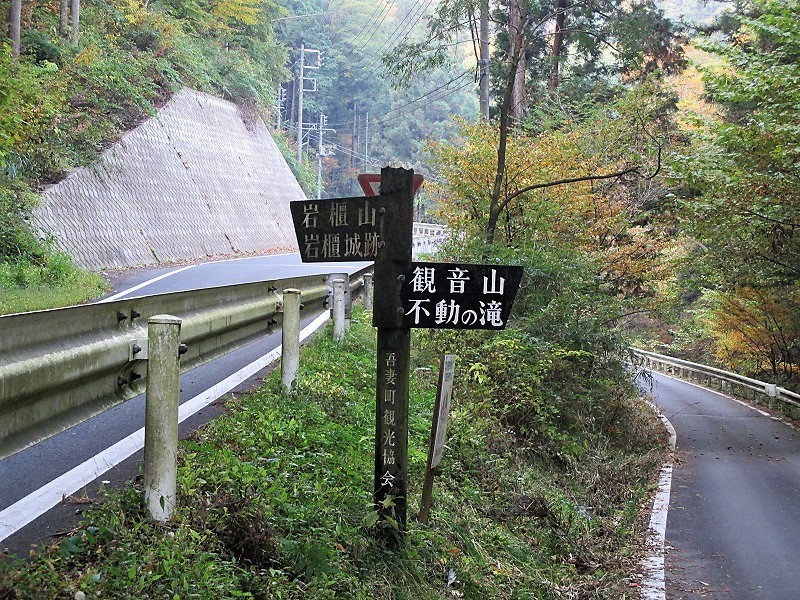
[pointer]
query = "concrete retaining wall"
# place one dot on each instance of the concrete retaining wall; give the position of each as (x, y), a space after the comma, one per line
(201, 179)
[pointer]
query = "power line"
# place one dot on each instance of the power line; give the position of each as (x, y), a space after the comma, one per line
(367, 22)
(434, 94)
(368, 30)
(439, 97)
(403, 30)
(433, 91)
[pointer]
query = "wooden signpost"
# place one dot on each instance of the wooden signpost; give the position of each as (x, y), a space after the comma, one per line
(407, 295)
(441, 412)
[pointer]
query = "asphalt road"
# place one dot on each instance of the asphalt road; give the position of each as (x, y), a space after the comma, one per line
(733, 527)
(147, 282)
(28, 477)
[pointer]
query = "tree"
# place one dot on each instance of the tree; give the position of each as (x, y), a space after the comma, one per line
(524, 27)
(576, 187)
(75, 20)
(757, 331)
(743, 181)
(63, 18)
(14, 21)
(587, 46)
(743, 171)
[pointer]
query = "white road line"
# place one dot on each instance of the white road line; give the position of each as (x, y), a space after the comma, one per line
(654, 584)
(763, 413)
(135, 288)
(35, 504)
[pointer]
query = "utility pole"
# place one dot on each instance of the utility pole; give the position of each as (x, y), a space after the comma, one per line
(484, 60)
(321, 151)
(280, 98)
(366, 142)
(300, 103)
(319, 156)
(301, 87)
(353, 143)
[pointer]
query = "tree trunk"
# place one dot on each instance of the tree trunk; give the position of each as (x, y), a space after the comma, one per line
(516, 30)
(75, 9)
(63, 19)
(558, 45)
(495, 203)
(484, 59)
(15, 26)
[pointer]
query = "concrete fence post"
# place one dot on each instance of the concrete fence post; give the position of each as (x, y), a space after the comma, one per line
(290, 356)
(771, 390)
(339, 324)
(161, 416)
(368, 291)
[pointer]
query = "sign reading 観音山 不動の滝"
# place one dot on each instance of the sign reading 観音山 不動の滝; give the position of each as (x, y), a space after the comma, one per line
(456, 296)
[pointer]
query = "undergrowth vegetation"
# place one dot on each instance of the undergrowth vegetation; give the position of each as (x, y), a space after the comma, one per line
(539, 495)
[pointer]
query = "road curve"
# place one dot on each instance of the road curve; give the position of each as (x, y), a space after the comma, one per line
(147, 281)
(733, 530)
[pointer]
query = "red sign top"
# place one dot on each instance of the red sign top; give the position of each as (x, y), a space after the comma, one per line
(371, 183)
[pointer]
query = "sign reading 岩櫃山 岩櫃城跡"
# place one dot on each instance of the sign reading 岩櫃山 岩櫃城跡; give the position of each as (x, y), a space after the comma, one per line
(346, 229)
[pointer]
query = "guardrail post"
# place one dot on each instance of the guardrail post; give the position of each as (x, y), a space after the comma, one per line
(771, 390)
(368, 291)
(161, 416)
(290, 356)
(339, 324)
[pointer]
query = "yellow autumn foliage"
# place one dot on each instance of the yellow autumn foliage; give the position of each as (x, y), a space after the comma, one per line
(756, 330)
(247, 12)
(598, 217)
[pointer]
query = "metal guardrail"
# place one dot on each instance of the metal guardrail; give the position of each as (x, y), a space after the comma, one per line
(60, 367)
(725, 381)
(428, 238)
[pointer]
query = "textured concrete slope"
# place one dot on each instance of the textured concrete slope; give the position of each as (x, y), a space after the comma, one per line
(200, 179)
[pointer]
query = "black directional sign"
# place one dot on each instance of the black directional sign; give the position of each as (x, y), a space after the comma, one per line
(407, 295)
(453, 296)
(348, 229)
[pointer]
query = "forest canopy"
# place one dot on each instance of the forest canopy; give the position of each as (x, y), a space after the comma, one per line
(568, 132)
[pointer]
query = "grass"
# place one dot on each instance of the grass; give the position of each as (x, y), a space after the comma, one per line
(275, 502)
(52, 282)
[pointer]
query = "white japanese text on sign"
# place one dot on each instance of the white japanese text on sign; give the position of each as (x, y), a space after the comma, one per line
(441, 295)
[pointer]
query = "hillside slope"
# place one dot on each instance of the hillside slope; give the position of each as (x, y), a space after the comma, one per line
(202, 178)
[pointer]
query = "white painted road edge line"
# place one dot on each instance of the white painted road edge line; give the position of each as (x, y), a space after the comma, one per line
(35, 504)
(135, 288)
(654, 584)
